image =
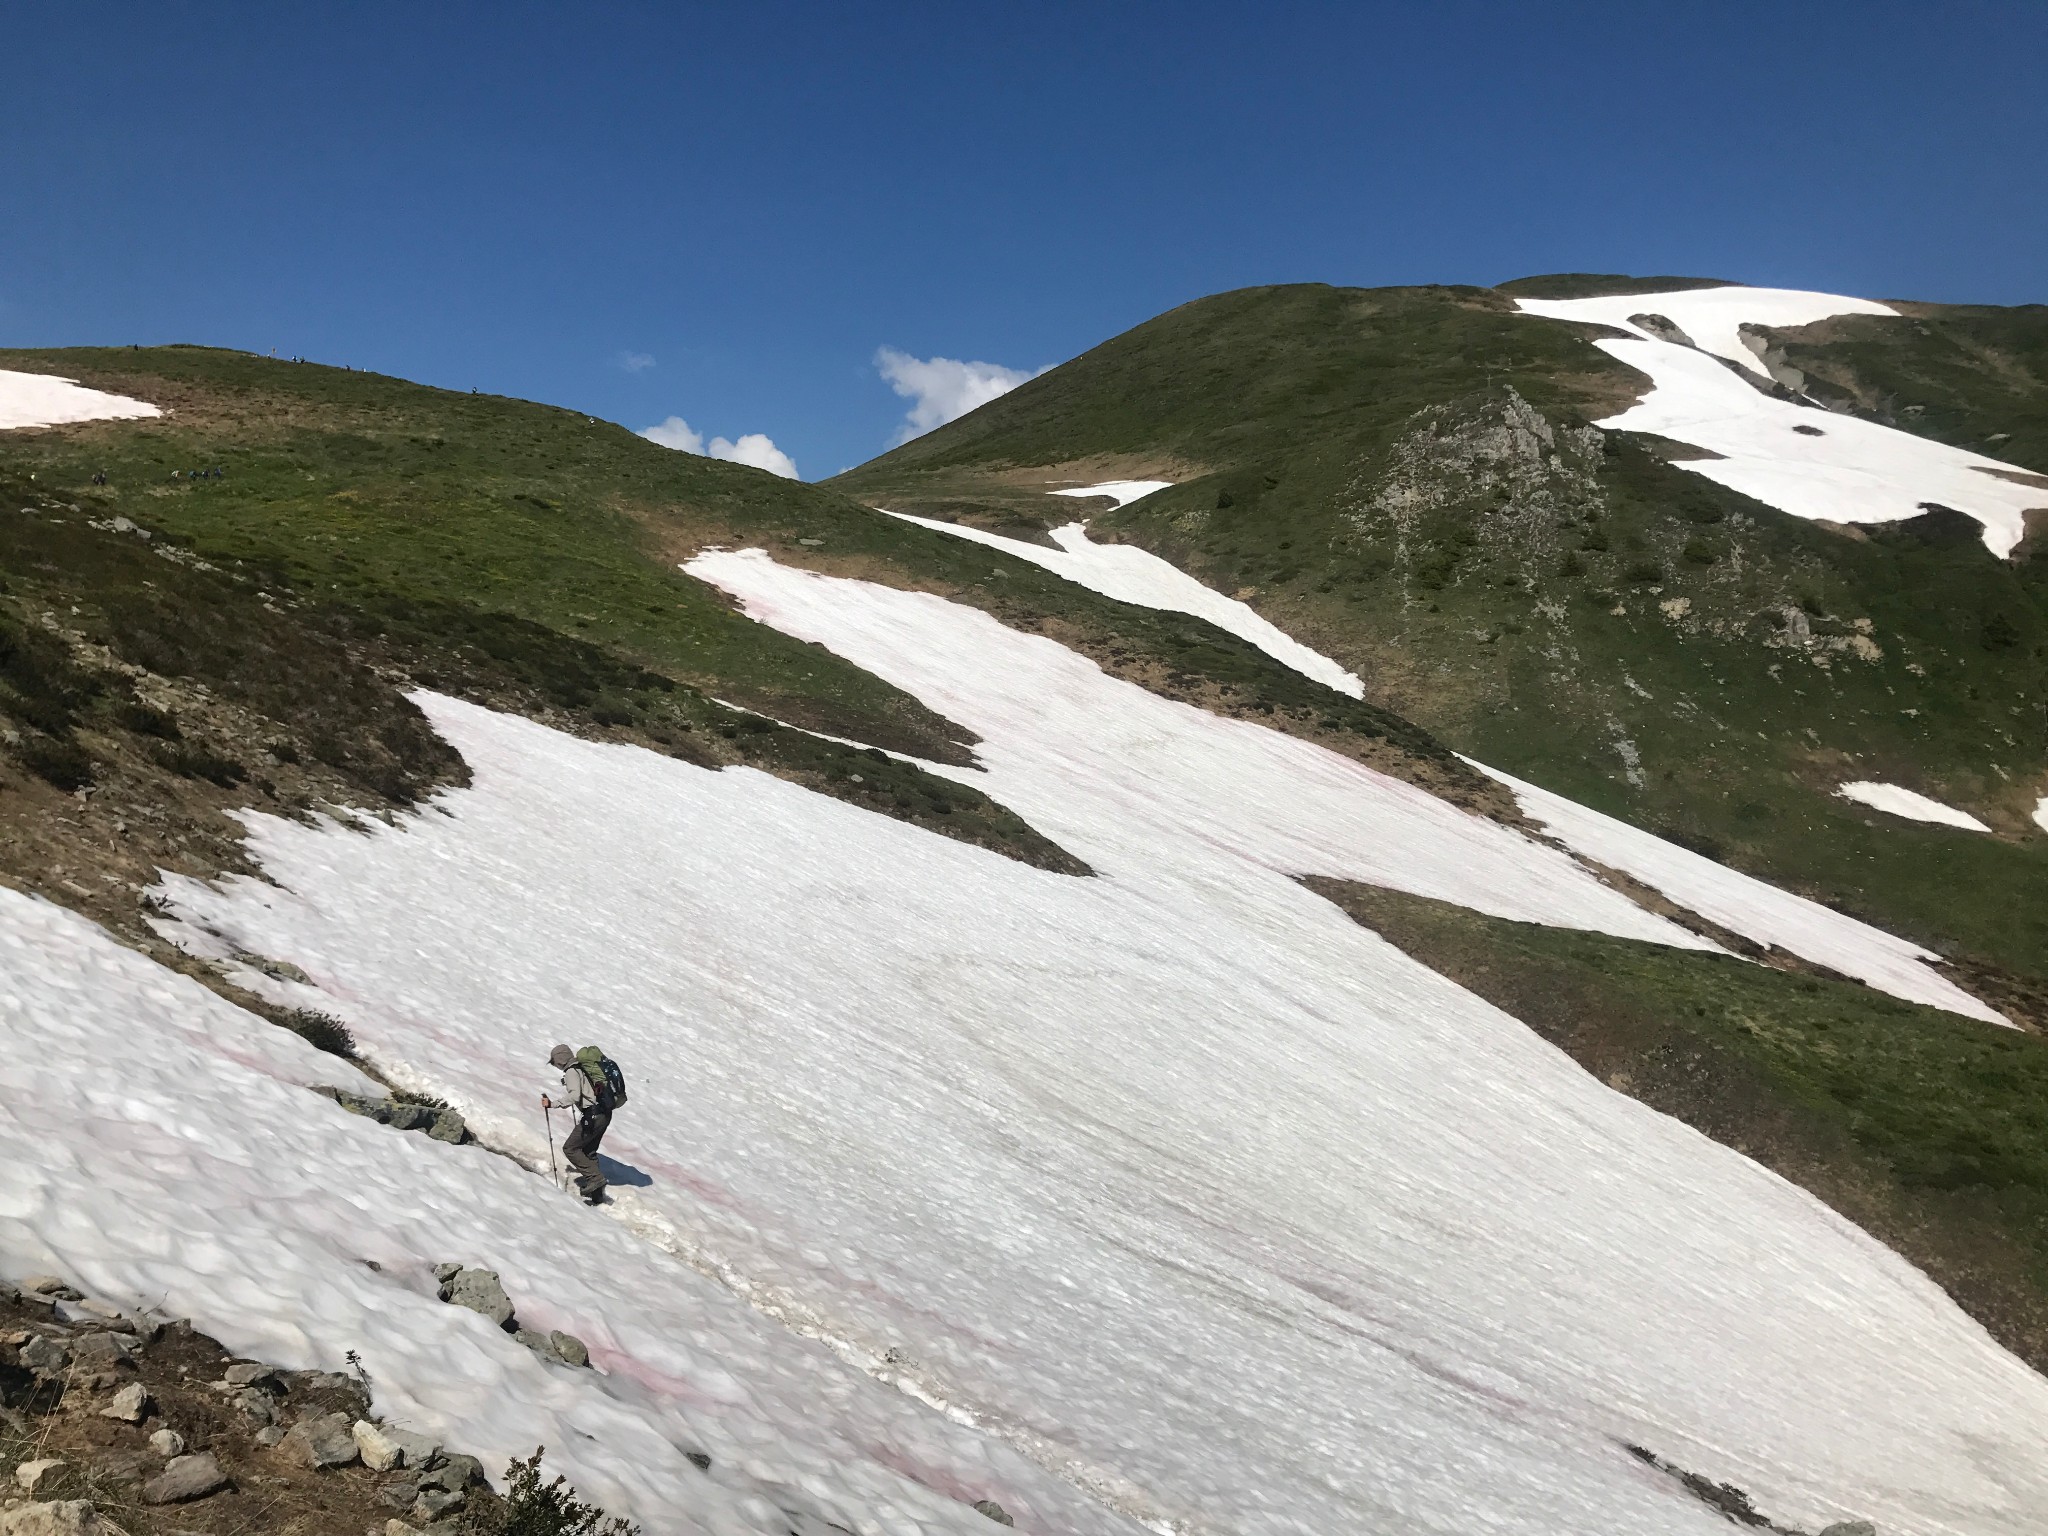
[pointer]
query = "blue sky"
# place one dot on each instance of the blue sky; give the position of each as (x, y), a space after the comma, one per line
(721, 213)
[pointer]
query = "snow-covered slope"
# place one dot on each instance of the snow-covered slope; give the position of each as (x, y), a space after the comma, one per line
(1133, 575)
(1751, 907)
(1748, 906)
(43, 400)
(1799, 459)
(156, 1148)
(1122, 492)
(1897, 800)
(1173, 1178)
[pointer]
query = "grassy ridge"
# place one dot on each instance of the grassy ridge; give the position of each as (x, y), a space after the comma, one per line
(1403, 479)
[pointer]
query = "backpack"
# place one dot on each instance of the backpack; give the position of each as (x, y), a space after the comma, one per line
(605, 1077)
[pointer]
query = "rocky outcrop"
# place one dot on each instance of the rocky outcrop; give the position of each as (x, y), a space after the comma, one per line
(439, 1122)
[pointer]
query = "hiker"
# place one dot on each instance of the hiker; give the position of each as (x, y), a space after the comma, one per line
(594, 1088)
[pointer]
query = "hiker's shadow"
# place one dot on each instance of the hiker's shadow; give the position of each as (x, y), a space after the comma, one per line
(616, 1172)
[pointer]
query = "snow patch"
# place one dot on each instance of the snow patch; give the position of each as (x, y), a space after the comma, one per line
(1173, 1178)
(1898, 801)
(156, 1147)
(43, 400)
(1122, 492)
(1804, 461)
(1133, 575)
(1758, 911)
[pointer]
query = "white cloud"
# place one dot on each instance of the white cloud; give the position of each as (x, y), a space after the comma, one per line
(943, 389)
(636, 362)
(675, 433)
(753, 448)
(759, 450)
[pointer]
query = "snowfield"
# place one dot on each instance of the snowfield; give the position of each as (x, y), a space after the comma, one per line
(158, 1149)
(1798, 458)
(1122, 492)
(1171, 1181)
(43, 400)
(1896, 800)
(1753, 908)
(1133, 575)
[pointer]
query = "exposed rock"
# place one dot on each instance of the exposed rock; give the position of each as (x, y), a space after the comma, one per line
(480, 1291)
(448, 1126)
(569, 1349)
(1850, 1528)
(130, 1405)
(71, 1517)
(401, 1494)
(269, 1435)
(326, 1440)
(44, 1355)
(455, 1472)
(433, 1503)
(259, 1406)
(446, 1272)
(31, 1475)
(52, 1287)
(167, 1443)
(184, 1479)
(994, 1511)
(400, 1528)
(251, 1373)
(105, 1351)
(379, 1452)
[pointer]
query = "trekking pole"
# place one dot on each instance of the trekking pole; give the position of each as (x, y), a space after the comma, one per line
(553, 1172)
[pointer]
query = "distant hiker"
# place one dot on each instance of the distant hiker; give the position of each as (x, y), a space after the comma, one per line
(593, 1086)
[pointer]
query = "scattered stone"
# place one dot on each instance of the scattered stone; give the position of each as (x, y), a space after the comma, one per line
(446, 1272)
(481, 1292)
(269, 1435)
(186, 1478)
(250, 1373)
(400, 1528)
(130, 1405)
(259, 1406)
(105, 1351)
(326, 1440)
(31, 1475)
(401, 1494)
(698, 1460)
(994, 1511)
(433, 1503)
(52, 1288)
(71, 1517)
(167, 1443)
(44, 1355)
(455, 1473)
(1850, 1528)
(379, 1451)
(569, 1349)
(448, 1126)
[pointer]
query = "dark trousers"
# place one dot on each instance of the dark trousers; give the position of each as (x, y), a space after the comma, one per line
(581, 1151)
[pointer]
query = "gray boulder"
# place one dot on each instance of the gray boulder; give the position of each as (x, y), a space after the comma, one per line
(167, 1443)
(994, 1511)
(569, 1349)
(253, 1373)
(43, 1355)
(481, 1292)
(324, 1440)
(130, 1405)
(67, 1517)
(455, 1473)
(433, 1503)
(105, 1351)
(186, 1478)
(260, 1406)
(1850, 1528)
(448, 1126)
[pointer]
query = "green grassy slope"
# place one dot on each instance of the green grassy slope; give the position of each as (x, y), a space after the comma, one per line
(1404, 478)
(1929, 1131)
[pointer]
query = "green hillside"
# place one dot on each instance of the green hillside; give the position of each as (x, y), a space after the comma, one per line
(1406, 480)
